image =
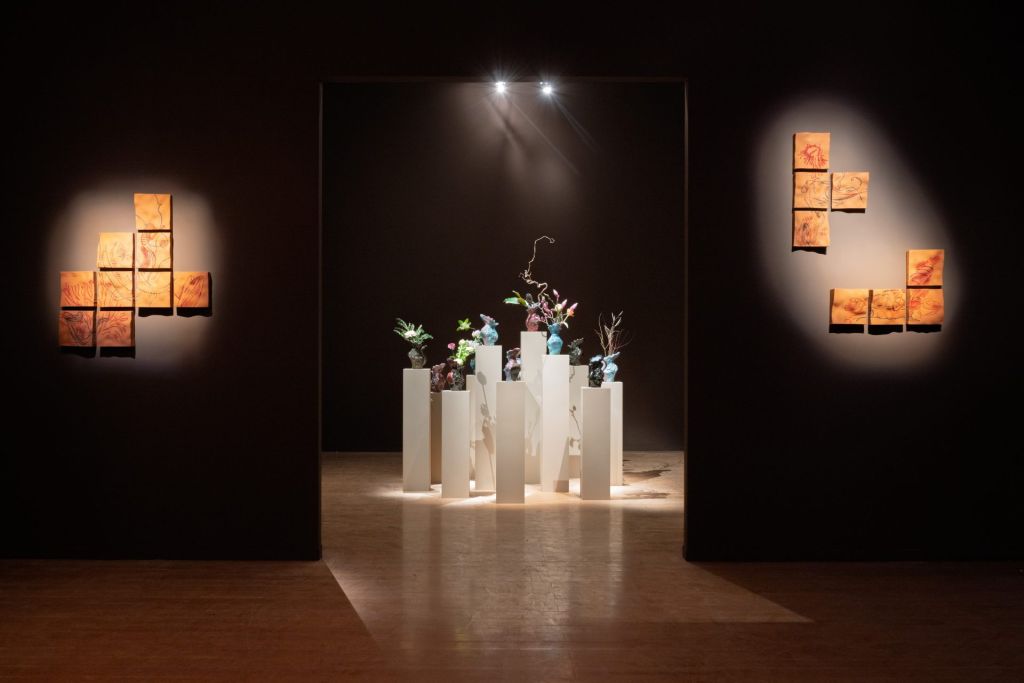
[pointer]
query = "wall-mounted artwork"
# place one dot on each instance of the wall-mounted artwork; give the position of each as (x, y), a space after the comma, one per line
(192, 290)
(152, 211)
(153, 289)
(76, 328)
(811, 190)
(115, 329)
(124, 282)
(810, 229)
(925, 307)
(810, 151)
(849, 306)
(888, 307)
(924, 267)
(115, 289)
(154, 250)
(78, 288)
(850, 190)
(116, 250)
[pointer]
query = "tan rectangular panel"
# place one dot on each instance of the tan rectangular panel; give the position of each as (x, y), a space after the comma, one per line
(116, 250)
(76, 328)
(810, 229)
(192, 290)
(153, 289)
(154, 250)
(850, 190)
(115, 328)
(924, 267)
(153, 212)
(888, 306)
(849, 307)
(925, 307)
(810, 151)
(77, 288)
(811, 190)
(115, 289)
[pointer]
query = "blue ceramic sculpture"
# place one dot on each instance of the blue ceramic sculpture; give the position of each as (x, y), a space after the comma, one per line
(554, 340)
(610, 368)
(489, 332)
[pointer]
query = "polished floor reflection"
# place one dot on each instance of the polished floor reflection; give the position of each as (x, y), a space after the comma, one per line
(554, 590)
(563, 589)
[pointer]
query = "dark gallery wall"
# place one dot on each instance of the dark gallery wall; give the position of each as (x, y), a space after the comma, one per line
(433, 196)
(797, 446)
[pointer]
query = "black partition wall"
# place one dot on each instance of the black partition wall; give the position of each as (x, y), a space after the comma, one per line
(794, 451)
(434, 193)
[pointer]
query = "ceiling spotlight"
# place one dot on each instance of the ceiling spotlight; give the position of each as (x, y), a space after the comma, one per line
(547, 88)
(500, 87)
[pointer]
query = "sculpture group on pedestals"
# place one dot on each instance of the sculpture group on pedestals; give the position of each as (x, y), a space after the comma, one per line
(539, 386)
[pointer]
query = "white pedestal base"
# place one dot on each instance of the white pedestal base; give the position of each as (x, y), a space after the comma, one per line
(435, 437)
(455, 444)
(554, 463)
(616, 429)
(510, 484)
(485, 412)
(577, 380)
(595, 480)
(533, 347)
(415, 429)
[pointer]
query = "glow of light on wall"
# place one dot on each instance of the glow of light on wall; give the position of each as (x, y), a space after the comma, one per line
(161, 342)
(868, 250)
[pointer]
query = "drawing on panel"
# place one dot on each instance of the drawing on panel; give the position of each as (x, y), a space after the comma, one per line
(78, 288)
(192, 290)
(115, 289)
(924, 267)
(888, 306)
(925, 307)
(152, 211)
(153, 289)
(810, 229)
(76, 328)
(154, 249)
(116, 250)
(850, 190)
(810, 150)
(849, 307)
(811, 190)
(115, 328)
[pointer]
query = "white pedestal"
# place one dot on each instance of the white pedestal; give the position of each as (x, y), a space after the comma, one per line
(455, 444)
(577, 380)
(415, 429)
(595, 481)
(533, 347)
(435, 437)
(511, 443)
(475, 399)
(616, 428)
(554, 461)
(489, 362)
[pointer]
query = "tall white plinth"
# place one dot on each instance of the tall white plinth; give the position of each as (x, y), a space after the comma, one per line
(533, 347)
(595, 480)
(475, 399)
(577, 380)
(416, 429)
(511, 443)
(435, 437)
(485, 413)
(454, 444)
(554, 461)
(616, 420)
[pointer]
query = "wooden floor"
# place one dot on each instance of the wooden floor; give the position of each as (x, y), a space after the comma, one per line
(558, 589)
